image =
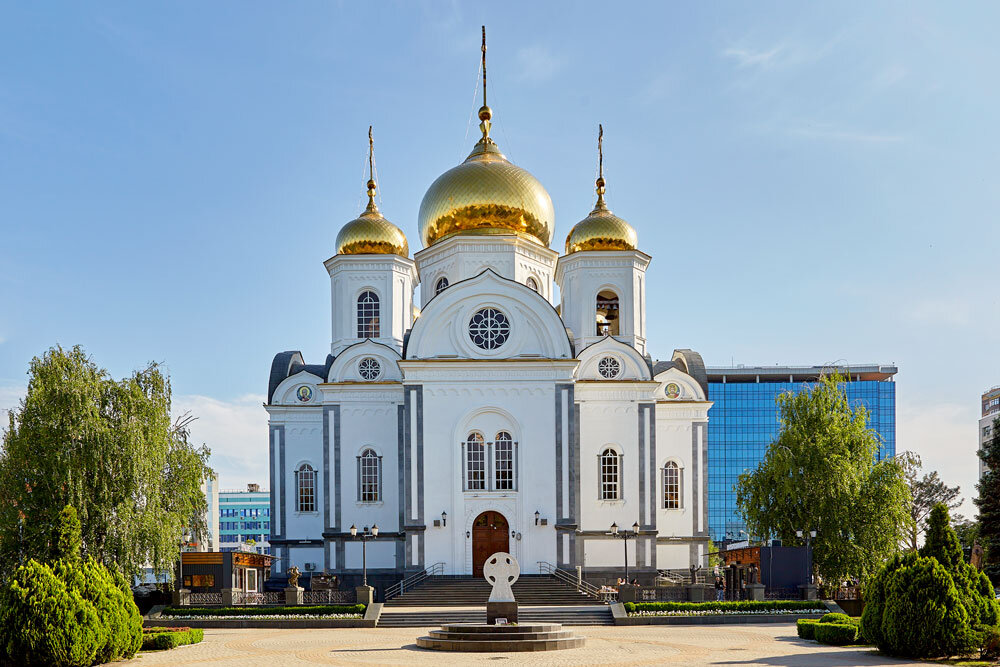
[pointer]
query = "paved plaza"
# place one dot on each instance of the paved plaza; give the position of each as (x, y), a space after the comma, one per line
(767, 644)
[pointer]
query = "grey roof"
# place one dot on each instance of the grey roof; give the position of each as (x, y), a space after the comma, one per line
(281, 368)
(799, 373)
(288, 363)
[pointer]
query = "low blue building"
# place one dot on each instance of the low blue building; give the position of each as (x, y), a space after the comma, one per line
(743, 422)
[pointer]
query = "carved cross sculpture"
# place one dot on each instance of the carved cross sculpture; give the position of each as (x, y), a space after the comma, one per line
(501, 570)
(293, 577)
(977, 556)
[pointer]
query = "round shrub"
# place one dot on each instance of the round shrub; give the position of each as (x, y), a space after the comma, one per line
(806, 628)
(837, 634)
(913, 610)
(834, 617)
(42, 622)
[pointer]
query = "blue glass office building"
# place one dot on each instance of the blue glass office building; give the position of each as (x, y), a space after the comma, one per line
(744, 421)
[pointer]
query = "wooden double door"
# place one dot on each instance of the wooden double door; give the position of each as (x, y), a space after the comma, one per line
(490, 534)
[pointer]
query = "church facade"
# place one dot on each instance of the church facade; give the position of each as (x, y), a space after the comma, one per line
(491, 416)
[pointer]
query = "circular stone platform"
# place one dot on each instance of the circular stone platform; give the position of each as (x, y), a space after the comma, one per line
(481, 638)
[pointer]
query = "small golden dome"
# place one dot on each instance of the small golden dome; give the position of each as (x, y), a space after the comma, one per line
(486, 194)
(602, 229)
(370, 233)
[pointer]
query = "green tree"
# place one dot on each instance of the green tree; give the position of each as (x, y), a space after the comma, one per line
(927, 491)
(821, 474)
(988, 503)
(69, 539)
(108, 448)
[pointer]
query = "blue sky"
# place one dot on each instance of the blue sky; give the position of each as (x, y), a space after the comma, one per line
(815, 182)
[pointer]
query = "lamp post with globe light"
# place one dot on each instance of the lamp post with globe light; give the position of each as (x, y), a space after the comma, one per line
(364, 536)
(625, 536)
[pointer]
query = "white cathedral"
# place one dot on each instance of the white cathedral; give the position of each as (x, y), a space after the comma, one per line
(491, 417)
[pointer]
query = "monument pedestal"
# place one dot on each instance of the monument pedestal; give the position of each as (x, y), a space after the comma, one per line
(293, 595)
(495, 610)
(182, 597)
(366, 595)
(755, 591)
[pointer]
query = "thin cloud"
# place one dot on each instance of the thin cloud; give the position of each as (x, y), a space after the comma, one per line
(538, 64)
(746, 58)
(235, 431)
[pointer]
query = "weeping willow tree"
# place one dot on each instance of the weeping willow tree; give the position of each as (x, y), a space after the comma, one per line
(821, 473)
(108, 448)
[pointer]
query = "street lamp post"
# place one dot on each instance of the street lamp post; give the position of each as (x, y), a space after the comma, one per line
(625, 536)
(364, 536)
(809, 534)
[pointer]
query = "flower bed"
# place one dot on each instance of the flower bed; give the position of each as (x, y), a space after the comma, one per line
(320, 611)
(161, 639)
(741, 608)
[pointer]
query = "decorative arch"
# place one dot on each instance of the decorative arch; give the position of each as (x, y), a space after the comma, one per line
(607, 311)
(633, 365)
(443, 327)
(345, 368)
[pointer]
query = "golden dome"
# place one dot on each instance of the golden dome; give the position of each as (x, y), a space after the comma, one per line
(370, 233)
(486, 194)
(602, 229)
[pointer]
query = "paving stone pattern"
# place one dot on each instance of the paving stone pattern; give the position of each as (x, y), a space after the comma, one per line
(772, 645)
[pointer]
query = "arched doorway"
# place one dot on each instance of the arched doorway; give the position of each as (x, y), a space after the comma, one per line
(490, 534)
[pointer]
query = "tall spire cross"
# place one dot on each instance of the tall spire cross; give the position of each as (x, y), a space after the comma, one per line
(371, 171)
(485, 113)
(600, 167)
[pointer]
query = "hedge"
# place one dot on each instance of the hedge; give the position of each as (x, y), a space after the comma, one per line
(318, 610)
(741, 606)
(834, 617)
(837, 634)
(170, 638)
(806, 628)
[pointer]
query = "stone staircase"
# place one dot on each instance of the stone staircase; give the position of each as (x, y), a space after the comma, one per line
(453, 599)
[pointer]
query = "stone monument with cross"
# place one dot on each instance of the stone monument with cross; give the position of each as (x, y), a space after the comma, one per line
(501, 570)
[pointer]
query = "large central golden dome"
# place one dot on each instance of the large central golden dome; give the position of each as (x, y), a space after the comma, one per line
(486, 194)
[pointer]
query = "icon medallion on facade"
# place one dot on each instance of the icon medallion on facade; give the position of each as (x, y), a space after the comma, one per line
(673, 390)
(304, 393)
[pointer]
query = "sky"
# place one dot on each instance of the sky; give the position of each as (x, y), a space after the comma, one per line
(816, 182)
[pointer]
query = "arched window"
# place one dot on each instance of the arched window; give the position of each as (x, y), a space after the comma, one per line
(475, 463)
(441, 285)
(609, 475)
(368, 315)
(503, 459)
(369, 477)
(671, 486)
(607, 313)
(305, 489)
(531, 283)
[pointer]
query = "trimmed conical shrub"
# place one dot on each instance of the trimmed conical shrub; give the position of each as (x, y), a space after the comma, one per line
(44, 623)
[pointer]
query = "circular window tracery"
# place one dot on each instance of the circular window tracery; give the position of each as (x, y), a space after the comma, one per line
(609, 368)
(369, 368)
(489, 328)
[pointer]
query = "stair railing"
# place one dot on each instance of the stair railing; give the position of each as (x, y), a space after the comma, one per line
(571, 579)
(406, 584)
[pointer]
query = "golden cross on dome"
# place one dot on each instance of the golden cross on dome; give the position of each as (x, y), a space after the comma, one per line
(371, 171)
(485, 113)
(600, 166)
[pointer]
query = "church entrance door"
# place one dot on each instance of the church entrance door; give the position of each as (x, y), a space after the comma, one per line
(490, 534)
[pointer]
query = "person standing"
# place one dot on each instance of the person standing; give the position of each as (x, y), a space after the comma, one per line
(720, 589)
